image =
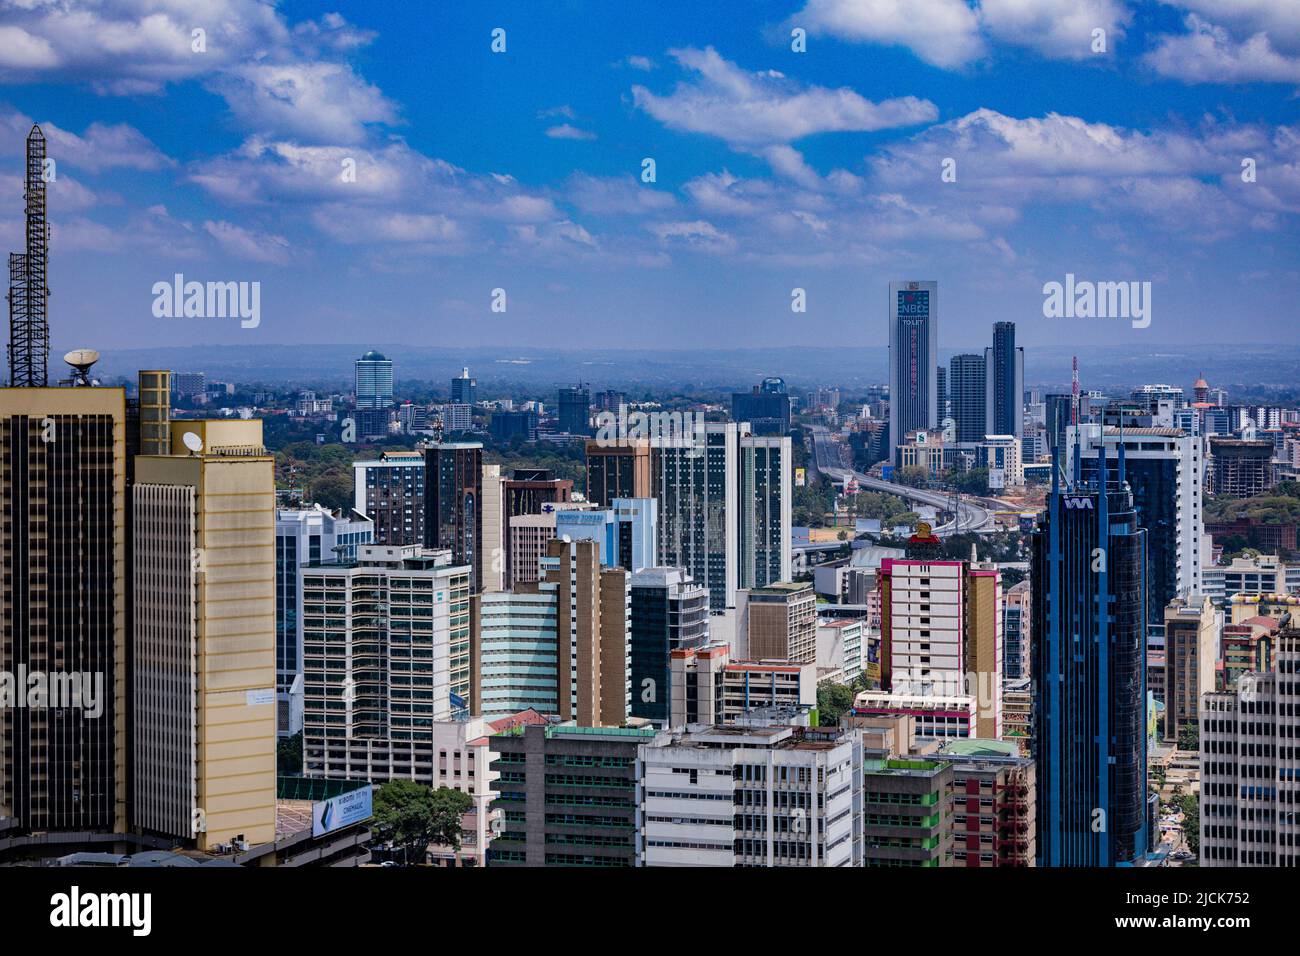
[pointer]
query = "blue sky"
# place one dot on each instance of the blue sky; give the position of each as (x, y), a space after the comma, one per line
(775, 169)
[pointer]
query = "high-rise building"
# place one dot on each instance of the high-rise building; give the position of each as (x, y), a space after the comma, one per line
(189, 384)
(1192, 628)
(453, 502)
(567, 796)
(507, 424)
(766, 407)
(574, 414)
(1249, 786)
(993, 810)
(764, 794)
(764, 503)
(374, 381)
(63, 602)
(1239, 467)
(304, 536)
(1005, 389)
(667, 612)
(1016, 631)
(779, 622)
(913, 358)
(204, 659)
(390, 492)
(627, 533)
(528, 491)
(456, 419)
(493, 559)
(941, 634)
(463, 389)
(386, 656)
(1088, 673)
(697, 486)
(617, 470)
(968, 395)
(906, 812)
(708, 686)
(1163, 470)
(561, 646)
(944, 397)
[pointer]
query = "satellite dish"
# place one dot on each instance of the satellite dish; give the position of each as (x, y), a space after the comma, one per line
(193, 442)
(81, 360)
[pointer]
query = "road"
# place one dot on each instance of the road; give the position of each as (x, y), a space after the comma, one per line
(828, 459)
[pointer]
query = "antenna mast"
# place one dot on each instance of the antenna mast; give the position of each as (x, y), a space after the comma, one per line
(1074, 390)
(29, 331)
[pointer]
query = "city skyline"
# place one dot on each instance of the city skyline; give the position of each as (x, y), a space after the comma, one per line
(776, 170)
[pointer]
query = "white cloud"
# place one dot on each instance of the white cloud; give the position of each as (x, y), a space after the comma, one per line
(322, 102)
(247, 244)
(20, 50)
(102, 146)
(698, 234)
(278, 78)
(761, 109)
(1210, 54)
(944, 33)
(1060, 29)
(616, 196)
(565, 131)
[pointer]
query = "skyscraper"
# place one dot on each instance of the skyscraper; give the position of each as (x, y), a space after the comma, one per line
(453, 502)
(913, 358)
(766, 407)
(385, 660)
(1005, 365)
(463, 389)
(1163, 467)
(764, 506)
(968, 396)
(1249, 786)
(1089, 673)
(374, 381)
(390, 492)
(575, 410)
(617, 470)
(697, 488)
(304, 536)
(63, 604)
(204, 663)
(668, 612)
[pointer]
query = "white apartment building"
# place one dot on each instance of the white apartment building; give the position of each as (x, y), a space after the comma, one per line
(1250, 775)
(386, 655)
(751, 796)
(935, 716)
(304, 536)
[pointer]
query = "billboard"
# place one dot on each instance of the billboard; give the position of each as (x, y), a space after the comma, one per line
(341, 811)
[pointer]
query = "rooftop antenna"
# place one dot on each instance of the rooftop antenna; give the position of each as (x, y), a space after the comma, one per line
(29, 330)
(1074, 390)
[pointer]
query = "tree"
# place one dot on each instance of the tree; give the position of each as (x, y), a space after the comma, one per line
(1190, 804)
(832, 701)
(1190, 737)
(912, 475)
(288, 756)
(332, 490)
(411, 816)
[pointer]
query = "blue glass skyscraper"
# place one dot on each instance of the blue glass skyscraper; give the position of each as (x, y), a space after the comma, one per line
(1089, 673)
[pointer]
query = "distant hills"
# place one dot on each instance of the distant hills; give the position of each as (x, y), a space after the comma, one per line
(1237, 368)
